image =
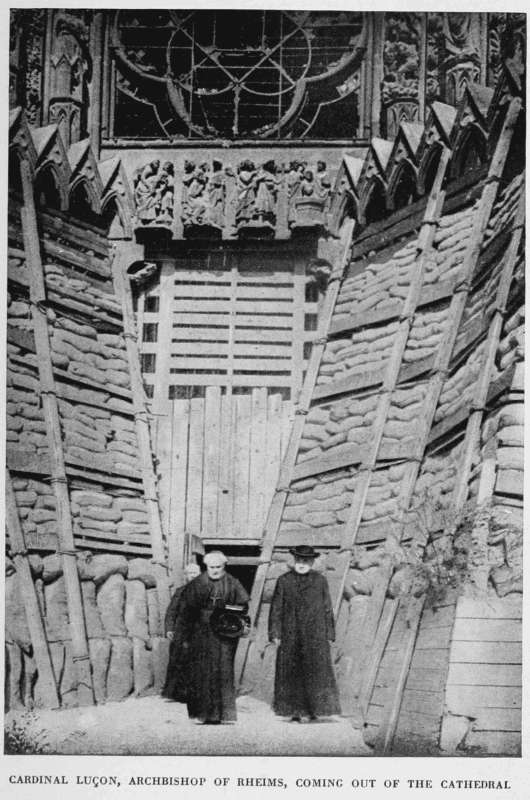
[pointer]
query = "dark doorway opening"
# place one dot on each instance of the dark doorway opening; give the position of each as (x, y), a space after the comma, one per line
(242, 561)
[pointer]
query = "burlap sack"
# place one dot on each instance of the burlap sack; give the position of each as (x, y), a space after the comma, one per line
(141, 569)
(160, 658)
(120, 681)
(17, 631)
(142, 669)
(99, 650)
(57, 627)
(103, 565)
(136, 610)
(110, 600)
(94, 626)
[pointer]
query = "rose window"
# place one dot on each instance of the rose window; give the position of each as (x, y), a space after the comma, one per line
(236, 74)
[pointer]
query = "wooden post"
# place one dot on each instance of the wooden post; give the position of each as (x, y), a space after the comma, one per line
(123, 255)
(65, 536)
(387, 729)
(46, 683)
(275, 512)
(474, 423)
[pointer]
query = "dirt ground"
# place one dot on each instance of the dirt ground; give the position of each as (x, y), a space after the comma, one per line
(154, 726)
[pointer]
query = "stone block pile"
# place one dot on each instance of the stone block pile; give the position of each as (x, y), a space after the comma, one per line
(127, 647)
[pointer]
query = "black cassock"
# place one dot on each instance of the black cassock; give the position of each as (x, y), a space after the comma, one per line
(301, 616)
(211, 692)
(176, 679)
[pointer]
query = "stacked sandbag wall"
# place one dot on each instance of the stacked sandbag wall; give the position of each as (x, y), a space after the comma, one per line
(127, 647)
(109, 512)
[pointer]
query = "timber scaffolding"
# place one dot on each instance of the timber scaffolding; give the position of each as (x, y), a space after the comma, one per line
(81, 484)
(397, 468)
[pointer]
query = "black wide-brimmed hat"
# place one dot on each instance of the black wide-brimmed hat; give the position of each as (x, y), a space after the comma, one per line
(304, 551)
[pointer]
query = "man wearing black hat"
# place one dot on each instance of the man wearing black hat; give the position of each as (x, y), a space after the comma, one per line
(301, 624)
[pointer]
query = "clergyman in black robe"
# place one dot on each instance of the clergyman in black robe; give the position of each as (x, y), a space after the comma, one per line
(211, 695)
(301, 624)
(176, 678)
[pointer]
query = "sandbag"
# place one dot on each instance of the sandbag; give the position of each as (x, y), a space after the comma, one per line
(154, 621)
(52, 567)
(94, 626)
(17, 631)
(141, 569)
(13, 677)
(160, 659)
(28, 681)
(110, 600)
(57, 627)
(68, 687)
(103, 565)
(142, 669)
(136, 610)
(99, 651)
(120, 680)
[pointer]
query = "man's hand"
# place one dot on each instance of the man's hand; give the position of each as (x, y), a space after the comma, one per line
(277, 642)
(170, 635)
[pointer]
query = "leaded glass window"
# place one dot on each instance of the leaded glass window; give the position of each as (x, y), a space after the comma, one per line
(232, 75)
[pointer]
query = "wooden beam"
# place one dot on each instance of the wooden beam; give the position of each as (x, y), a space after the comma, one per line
(480, 395)
(124, 255)
(387, 728)
(47, 683)
(66, 546)
(351, 382)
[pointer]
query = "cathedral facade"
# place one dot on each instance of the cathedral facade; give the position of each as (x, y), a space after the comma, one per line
(265, 289)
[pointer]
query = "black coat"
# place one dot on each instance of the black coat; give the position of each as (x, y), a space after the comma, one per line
(210, 691)
(301, 616)
(176, 676)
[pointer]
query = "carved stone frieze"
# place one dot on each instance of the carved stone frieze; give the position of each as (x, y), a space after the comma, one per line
(154, 189)
(203, 196)
(257, 196)
(308, 191)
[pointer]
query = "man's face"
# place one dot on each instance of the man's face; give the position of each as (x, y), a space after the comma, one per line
(303, 565)
(215, 569)
(190, 574)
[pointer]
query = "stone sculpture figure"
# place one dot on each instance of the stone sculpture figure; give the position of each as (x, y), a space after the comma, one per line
(203, 195)
(257, 191)
(154, 189)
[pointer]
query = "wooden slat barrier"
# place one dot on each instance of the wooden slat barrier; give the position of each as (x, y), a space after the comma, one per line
(222, 466)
